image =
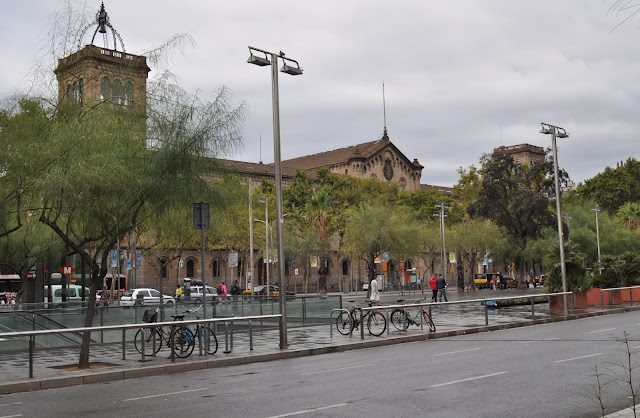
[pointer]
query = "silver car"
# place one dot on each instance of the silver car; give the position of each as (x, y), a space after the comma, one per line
(144, 296)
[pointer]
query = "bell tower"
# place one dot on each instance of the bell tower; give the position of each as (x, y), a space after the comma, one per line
(101, 74)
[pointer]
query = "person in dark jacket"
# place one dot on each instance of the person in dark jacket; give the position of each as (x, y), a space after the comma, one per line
(442, 288)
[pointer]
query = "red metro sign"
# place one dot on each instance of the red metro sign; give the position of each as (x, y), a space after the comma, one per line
(67, 270)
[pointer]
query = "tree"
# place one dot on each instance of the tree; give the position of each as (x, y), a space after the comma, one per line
(374, 228)
(630, 213)
(513, 196)
(614, 187)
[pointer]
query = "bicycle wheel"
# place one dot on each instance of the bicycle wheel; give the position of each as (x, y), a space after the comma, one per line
(183, 342)
(152, 339)
(399, 319)
(427, 319)
(209, 340)
(343, 323)
(376, 323)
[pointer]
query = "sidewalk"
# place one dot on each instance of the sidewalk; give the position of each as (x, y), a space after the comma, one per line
(450, 321)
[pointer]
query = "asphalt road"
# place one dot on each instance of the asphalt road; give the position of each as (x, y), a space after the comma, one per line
(538, 371)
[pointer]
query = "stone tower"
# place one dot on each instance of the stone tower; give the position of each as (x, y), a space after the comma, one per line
(97, 74)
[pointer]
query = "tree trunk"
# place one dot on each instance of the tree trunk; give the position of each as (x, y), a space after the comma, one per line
(83, 363)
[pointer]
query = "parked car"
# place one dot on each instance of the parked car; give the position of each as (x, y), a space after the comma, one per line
(74, 293)
(196, 293)
(144, 296)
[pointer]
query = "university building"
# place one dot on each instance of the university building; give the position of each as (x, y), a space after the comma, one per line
(103, 74)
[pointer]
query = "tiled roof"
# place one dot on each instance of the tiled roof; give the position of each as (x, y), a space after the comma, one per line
(337, 156)
(258, 169)
(441, 189)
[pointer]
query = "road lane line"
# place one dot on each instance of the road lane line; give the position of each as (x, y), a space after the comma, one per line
(456, 352)
(469, 379)
(163, 394)
(601, 330)
(11, 416)
(578, 358)
(306, 411)
(335, 370)
(9, 404)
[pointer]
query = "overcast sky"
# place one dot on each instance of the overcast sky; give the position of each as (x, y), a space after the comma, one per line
(461, 77)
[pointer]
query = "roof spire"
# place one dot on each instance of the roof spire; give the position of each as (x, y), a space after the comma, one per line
(102, 22)
(384, 112)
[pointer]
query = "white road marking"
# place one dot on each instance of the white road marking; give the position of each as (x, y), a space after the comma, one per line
(466, 380)
(335, 370)
(456, 352)
(163, 394)
(11, 416)
(601, 330)
(578, 358)
(8, 404)
(306, 411)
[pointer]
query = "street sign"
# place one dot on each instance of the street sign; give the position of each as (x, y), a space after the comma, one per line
(293, 261)
(385, 256)
(73, 280)
(233, 259)
(201, 215)
(452, 258)
(114, 259)
(129, 263)
(138, 259)
(295, 272)
(67, 270)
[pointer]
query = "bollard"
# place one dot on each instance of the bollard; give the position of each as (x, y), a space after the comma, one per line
(361, 326)
(141, 342)
(171, 341)
(250, 336)
(601, 300)
(533, 314)
(226, 338)
(486, 314)
(304, 311)
(124, 331)
(32, 344)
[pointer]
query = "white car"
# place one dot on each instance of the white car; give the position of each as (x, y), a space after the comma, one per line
(196, 293)
(133, 297)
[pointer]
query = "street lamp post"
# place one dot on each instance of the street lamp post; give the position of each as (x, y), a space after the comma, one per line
(596, 209)
(266, 234)
(442, 207)
(556, 131)
(272, 60)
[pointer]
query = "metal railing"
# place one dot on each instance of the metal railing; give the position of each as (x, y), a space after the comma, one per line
(388, 308)
(610, 290)
(173, 324)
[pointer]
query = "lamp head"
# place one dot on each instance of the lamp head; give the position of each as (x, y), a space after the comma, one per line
(562, 133)
(288, 69)
(262, 62)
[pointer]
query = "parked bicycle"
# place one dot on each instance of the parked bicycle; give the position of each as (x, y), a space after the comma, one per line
(348, 322)
(182, 338)
(401, 318)
(204, 333)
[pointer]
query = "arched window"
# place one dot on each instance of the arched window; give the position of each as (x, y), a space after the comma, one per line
(191, 268)
(163, 271)
(128, 93)
(345, 267)
(105, 89)
(216, 268)
(81, 91)
(75, 92)
(69, 91)
(117, 92)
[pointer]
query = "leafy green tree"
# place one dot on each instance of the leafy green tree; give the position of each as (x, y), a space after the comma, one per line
(374, 228)
(614, 187)
(576, 274)
(630, 213)
(513, 196)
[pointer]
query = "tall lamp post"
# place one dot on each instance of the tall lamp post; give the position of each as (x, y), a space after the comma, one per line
(443, 251)
(596, 209)
(272, 59)
(266, 234)
(556, 131)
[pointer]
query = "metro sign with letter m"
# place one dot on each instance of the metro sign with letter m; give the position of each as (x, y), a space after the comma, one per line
(67, 270)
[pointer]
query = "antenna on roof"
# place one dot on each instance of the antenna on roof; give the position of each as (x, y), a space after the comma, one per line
(384, 112)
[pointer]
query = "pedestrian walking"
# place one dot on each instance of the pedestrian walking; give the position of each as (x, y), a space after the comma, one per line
(433, 283)
(527, 279)
(178, 292)
(374, 292)
(442, 288)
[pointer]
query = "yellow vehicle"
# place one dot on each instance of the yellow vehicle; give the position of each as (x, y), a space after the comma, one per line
(483, 280)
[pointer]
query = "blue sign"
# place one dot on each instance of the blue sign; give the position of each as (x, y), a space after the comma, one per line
(293, 261)
(139, 259)
(129, 263)
(114, 259)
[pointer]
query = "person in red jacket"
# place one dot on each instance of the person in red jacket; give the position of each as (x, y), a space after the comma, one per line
(433, 283)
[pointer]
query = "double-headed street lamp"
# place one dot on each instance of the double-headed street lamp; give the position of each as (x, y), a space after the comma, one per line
(556, 131)
(272, 59)
(596, 209)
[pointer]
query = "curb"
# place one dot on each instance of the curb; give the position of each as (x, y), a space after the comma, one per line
(130, 373)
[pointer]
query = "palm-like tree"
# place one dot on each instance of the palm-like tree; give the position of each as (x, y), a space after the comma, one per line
(630, 213)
